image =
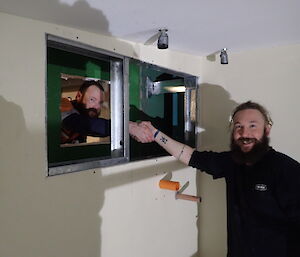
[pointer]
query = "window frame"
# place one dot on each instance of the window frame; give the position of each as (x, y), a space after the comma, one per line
(118, 102)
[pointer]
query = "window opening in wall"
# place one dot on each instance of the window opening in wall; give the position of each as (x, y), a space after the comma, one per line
(167, 99)
(80, 131)
(131, 90)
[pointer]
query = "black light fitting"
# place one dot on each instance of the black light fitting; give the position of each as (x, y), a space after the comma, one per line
(163, 40)
(224, 56)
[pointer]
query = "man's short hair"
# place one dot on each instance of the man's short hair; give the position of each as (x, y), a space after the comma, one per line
(87, 83)
(255, 106)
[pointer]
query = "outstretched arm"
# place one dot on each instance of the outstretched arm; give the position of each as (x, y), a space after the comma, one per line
(180, 151)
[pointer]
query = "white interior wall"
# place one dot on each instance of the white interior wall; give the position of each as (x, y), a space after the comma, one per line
(116, 211)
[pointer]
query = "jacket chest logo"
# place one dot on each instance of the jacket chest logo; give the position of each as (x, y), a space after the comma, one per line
(261, 187)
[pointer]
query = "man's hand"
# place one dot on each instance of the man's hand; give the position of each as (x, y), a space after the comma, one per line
(148, 125)
(140, 132)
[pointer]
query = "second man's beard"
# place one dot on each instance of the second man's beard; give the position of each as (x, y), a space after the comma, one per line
(254, 155)
(90, 112)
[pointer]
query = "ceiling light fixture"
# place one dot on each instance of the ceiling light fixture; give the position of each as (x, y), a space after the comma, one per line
(224, 56)
(163, 40)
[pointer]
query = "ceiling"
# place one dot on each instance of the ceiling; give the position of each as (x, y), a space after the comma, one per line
(200, 27)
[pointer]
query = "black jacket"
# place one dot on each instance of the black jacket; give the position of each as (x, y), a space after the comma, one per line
(263, 203)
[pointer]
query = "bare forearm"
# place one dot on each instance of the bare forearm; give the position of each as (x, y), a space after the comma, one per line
(180, 151)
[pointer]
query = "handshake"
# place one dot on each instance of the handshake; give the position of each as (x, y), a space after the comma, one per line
(142, 132)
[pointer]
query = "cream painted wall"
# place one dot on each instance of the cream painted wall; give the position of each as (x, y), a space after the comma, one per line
(269, 76)
(111, 212)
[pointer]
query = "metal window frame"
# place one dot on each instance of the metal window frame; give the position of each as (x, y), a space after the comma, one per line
(119, 107)
(191, 83)
(120, 152)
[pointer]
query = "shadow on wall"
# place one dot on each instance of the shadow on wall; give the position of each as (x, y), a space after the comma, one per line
(42, 216)
(14, 180)
(57, 216)
(215, 109)
(64, 12)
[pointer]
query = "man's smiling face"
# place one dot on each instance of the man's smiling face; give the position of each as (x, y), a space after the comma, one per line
(249, 127)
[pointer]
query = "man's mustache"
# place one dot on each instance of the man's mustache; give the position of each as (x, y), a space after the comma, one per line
(247, 140)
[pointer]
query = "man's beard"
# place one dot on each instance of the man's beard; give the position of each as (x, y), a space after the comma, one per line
(258, 150)
(90, 112)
